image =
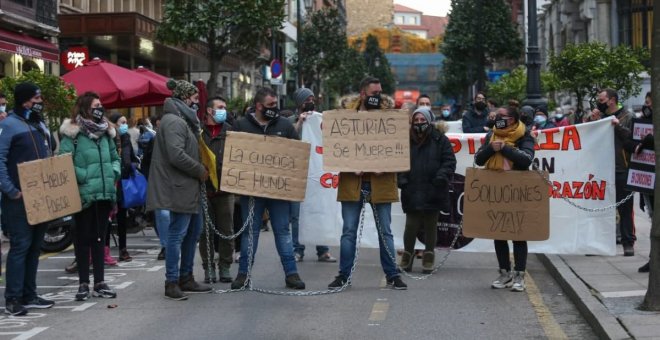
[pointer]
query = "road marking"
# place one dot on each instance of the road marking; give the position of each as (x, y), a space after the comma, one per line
(155, 268)
(84, 306)
(627, 293)
(119, 286)
(27, 334)
(123, 285)
(383, 282)
(550, 326)
(61, 257)
(379, 311)
(152, 269)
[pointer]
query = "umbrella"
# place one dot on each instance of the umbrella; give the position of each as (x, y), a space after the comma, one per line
(158, 90)
(203, 96)
(114, 84)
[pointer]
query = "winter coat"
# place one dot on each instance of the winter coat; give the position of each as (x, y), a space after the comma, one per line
(279, 126)
(20, 141)
(217, 145)
(383, 186)
(432, 165)
(473, 123)
(521, 156)
(96, 162)
(176, 167)
(622, 135)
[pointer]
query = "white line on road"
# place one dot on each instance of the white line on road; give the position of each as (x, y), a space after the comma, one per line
(124, 285)
(627, 293)
(119, 286)
(27, 334)
(83, 307)
(155, 268)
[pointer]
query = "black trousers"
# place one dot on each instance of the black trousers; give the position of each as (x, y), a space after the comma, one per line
(89, 235)
(519, 255)
(625, 210)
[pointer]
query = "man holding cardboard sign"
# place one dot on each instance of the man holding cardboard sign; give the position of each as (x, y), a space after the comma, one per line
(378, 188)
(23, 137)
(264, 119)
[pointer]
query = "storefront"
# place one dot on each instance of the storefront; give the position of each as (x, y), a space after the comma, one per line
(20, 52)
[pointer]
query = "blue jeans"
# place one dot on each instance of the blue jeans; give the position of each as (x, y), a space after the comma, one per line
(182, 236)
(295, 228)
(162, 219)
(279, 220)
(23, 259)
(350, 212)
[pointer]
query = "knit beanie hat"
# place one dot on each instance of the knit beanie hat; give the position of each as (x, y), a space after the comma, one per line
(181, 89)
(301, 95)
(426, 112)
(24, 92)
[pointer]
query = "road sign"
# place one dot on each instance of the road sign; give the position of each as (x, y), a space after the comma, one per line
(275, 68)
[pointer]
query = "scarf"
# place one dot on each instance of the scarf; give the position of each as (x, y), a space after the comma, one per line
(510, 135)
(91, 129)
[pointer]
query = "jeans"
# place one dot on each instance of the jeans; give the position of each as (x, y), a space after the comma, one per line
(182, 236)
(162, 220)
(88, 239)
(221, 212)
(350, 212)
(279, 220)
(23, 259)
(295, 229)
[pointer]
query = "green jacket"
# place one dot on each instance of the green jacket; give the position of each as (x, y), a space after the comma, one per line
(96, 163)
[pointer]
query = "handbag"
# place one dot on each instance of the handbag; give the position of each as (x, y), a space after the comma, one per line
(134, 190)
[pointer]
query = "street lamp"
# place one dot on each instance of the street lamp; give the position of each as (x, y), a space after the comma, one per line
(534, 95)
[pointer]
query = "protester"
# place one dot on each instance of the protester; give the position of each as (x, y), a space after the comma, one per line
(445, 114)
(89, 137)
(510, 147)
(474, 121)
(425, 188)
(220, 203)
(3, 106)
(541, 121)
(424, 100)
(527, 116)
(352, 192)
(128, 161)
(146, 146)
(161, 216)
(175, 177)
(305, 107)
(647, 143)
(608, 105)
(264, 119)
(24, 138)
(560, 119)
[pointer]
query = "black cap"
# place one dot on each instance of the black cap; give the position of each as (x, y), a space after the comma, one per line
(23, 92)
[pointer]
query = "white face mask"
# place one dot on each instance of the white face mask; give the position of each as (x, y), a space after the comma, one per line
(3, 108)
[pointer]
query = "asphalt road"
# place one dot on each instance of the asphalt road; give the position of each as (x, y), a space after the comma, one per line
(456, 303)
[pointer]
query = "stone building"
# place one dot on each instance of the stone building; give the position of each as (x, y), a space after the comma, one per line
(363, 15)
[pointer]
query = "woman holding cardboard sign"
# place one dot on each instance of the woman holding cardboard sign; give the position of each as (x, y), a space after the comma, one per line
(509, 146)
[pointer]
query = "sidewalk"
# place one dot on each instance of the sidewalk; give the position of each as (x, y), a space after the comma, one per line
(607, 290)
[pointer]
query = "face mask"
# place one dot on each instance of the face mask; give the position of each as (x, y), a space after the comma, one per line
(194, 106)
(480, 106)
(220, 115)
(445, 113)
(3, 108)
(97, 114)
(37, 108)
(501, 123)
(420, 127)
(602, 107)
(270, 113)
(373, 102)
(123, 129)
(559, 117)
(308, 107)
(539, 119)
(647, 111)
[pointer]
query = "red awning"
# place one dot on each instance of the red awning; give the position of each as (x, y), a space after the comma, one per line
(28, 46)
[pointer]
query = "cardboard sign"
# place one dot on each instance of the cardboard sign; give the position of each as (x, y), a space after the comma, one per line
(641, 169)
(50, 188)
(506, 205)
(265, 166)
(366, 141)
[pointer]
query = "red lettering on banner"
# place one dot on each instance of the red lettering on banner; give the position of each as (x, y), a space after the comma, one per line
(549, 144)
(571, 134)
(455, 144)
(319, 150)
(589, 190)
(329, 180)
(471, 146)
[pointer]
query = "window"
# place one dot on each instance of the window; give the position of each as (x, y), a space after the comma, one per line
(636, 22)
(411, 20)
(399, 20)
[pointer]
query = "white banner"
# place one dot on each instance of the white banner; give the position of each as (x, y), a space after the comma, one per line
(579, 159)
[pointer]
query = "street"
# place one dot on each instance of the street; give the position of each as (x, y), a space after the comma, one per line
(456, 303)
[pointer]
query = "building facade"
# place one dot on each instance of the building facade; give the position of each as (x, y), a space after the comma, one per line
(363, 15)
(413, 21)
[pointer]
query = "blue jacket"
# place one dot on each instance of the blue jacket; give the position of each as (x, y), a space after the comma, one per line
(20, 141)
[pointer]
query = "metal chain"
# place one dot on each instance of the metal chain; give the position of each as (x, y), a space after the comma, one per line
(209, 223)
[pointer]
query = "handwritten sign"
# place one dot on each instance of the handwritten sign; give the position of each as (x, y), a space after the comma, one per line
(265, 166)
(506, 205)
(50, 188)
(366, 141)
(641, 170)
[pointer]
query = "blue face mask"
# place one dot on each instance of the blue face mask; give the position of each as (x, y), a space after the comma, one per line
(220, 115)
(539, 119)
(123, 129)
(445, 113)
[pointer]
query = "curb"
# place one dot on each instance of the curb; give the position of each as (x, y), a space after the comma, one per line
(604, 324)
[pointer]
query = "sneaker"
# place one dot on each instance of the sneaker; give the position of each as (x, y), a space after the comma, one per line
(209, 273)
(83, 292)
(161, 255)
(189, 285)
(14, 308)
(504, 280)
(298, 257)
(39, 303)
(224, 273)
(72, 268)
(396, 283)
(644, 269)
(293, 281)
(102, 290)
(327, 257)
(518, 282)
(124, 256)
(240, 282)
(339, 282)
(173, 292)
(628, 250)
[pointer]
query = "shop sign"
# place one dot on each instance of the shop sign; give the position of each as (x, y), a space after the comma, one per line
(74, 57)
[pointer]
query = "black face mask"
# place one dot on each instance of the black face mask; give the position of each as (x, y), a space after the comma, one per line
(372, 102)
(35, 112)
(480, 106)
(501, 123)
(308, 107)
(97, 114)
(647, 111)
(270, 113)
(37, 108)
(602, 107)
(420, 127)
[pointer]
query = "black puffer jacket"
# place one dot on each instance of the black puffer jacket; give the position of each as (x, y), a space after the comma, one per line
(521, 156)
(279, 126)
(432, 165)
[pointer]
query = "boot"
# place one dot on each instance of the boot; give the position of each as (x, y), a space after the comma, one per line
(72, 268)
(428, 261)
(209, 273)
(124, 255)
(224, 274)
(172, 291)
(107, 258)
(189, 285)
(406, 261)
